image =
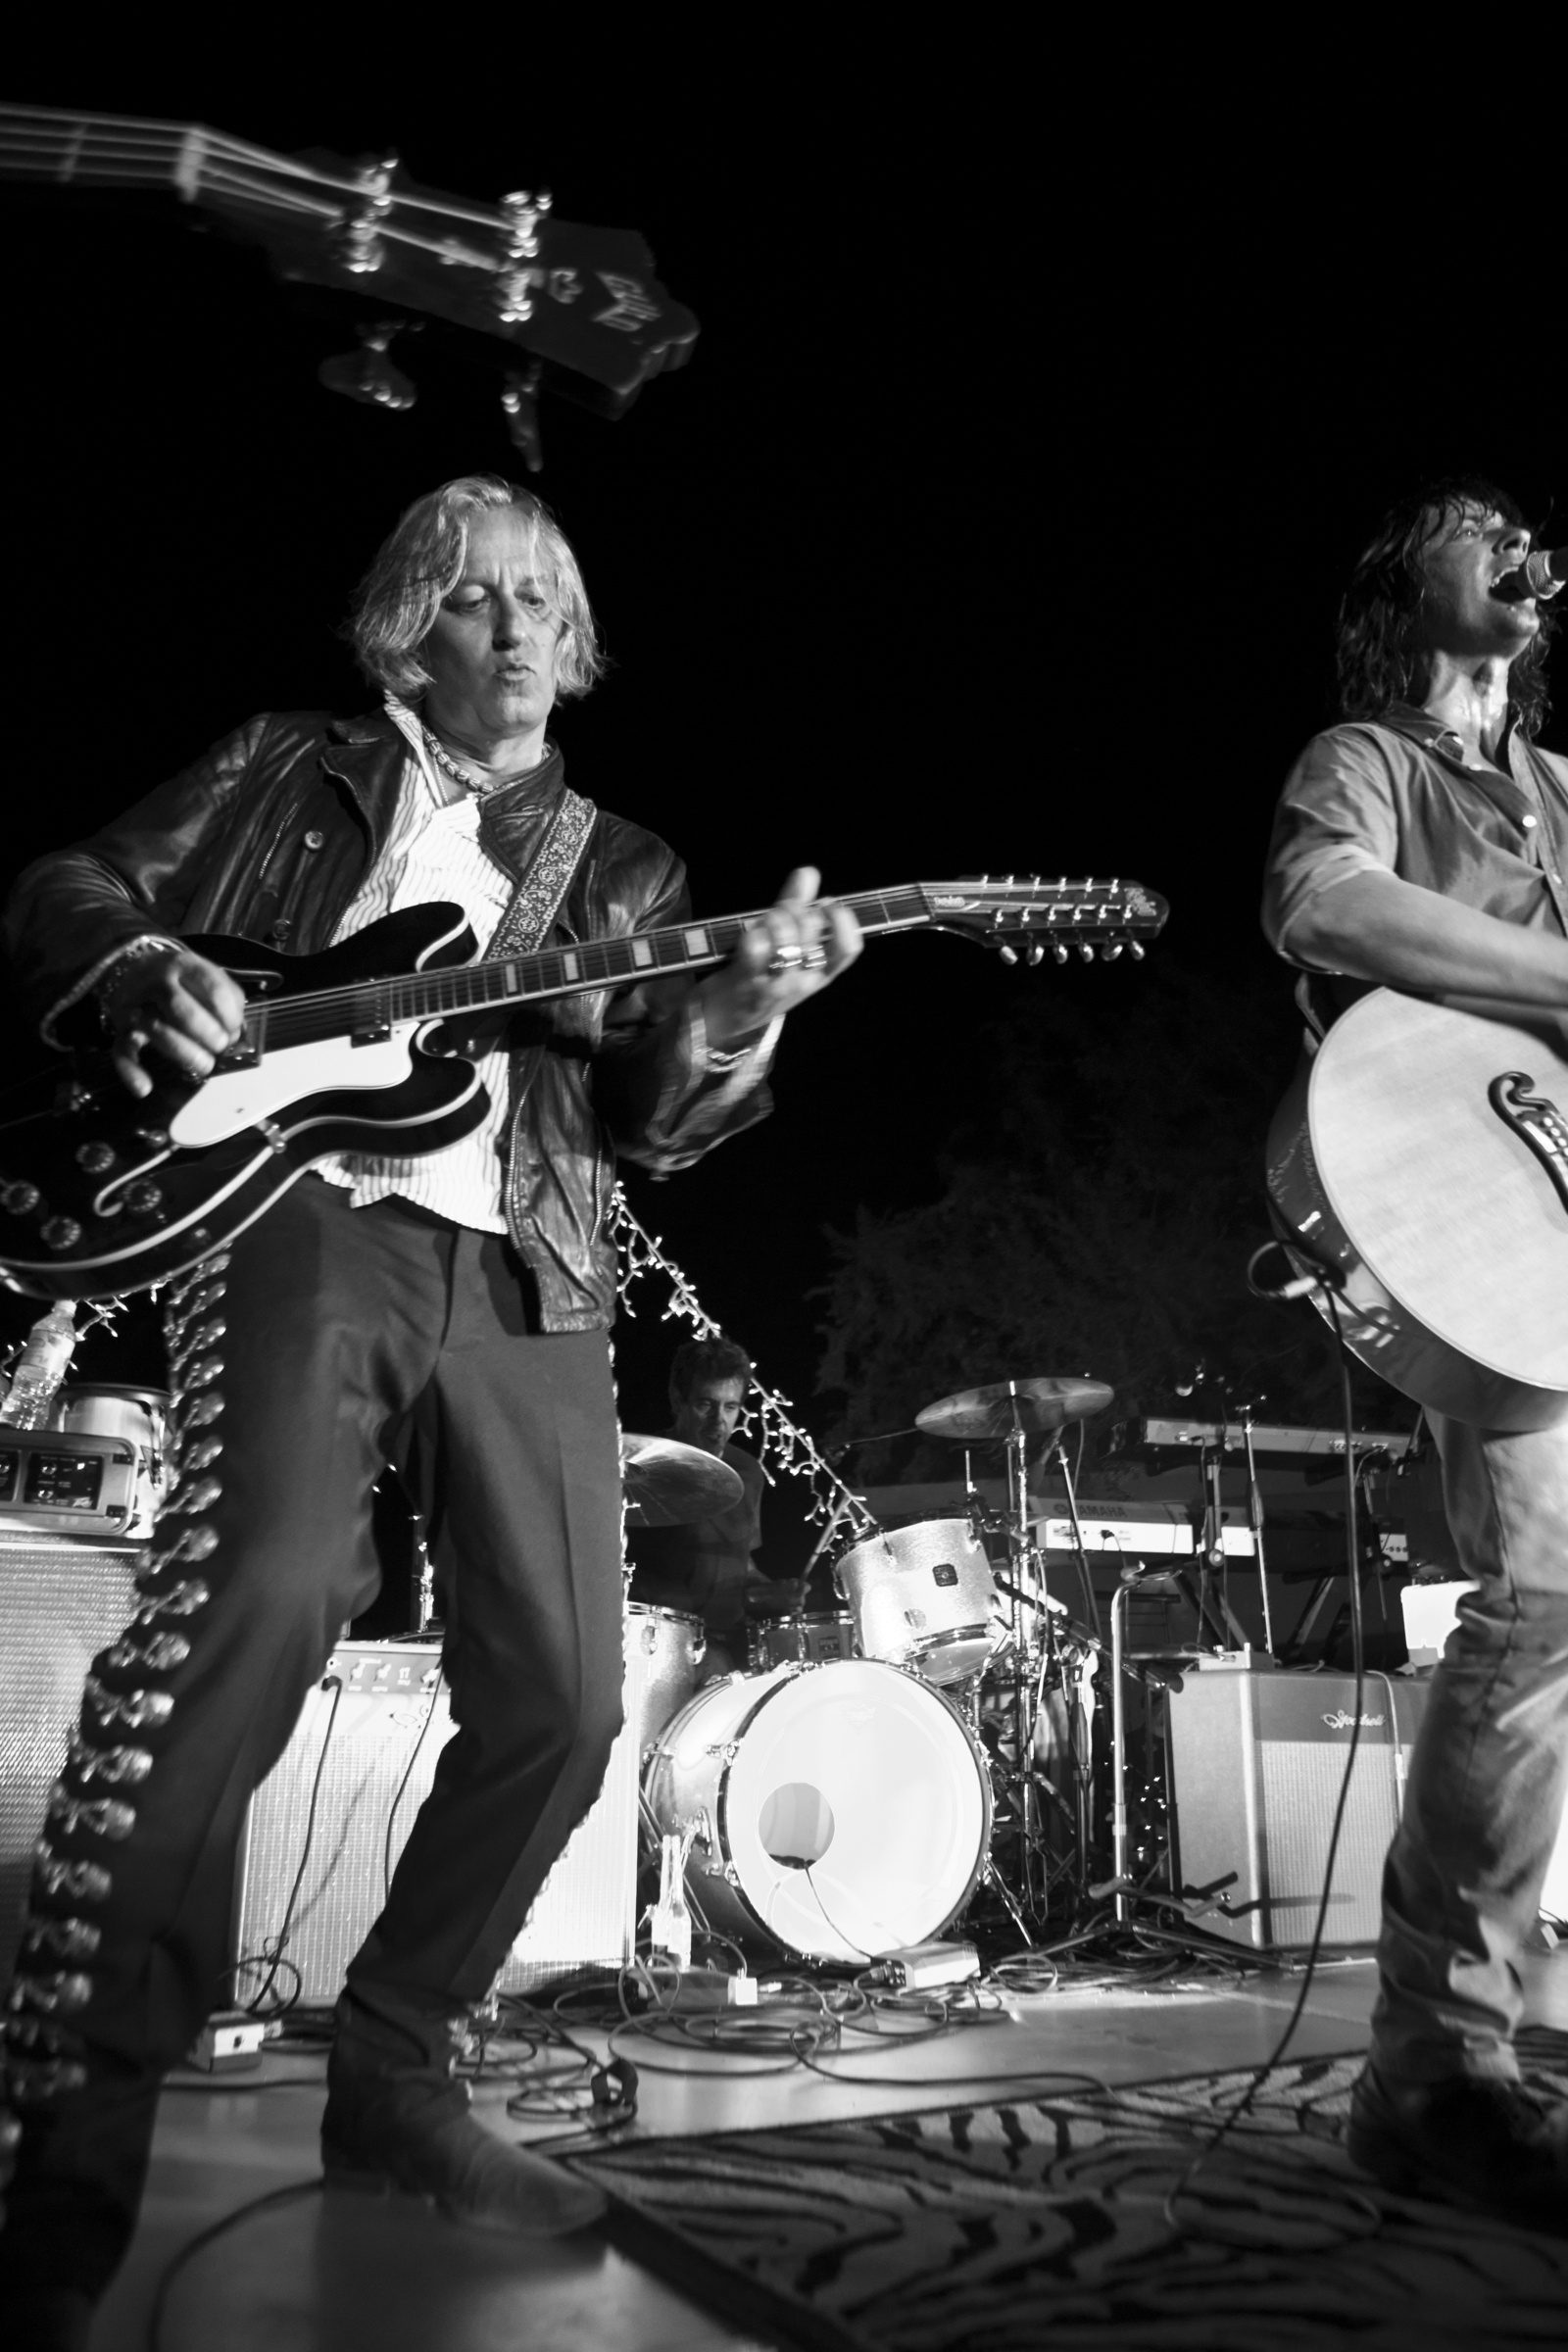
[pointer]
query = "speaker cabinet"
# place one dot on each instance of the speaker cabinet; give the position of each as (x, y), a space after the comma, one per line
(376, 1760)
(61, 1602)
(1257, 1760)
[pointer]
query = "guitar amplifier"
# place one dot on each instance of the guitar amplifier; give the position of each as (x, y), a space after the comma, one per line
(61, 1602)
(376, 1759)
(1257, 1764)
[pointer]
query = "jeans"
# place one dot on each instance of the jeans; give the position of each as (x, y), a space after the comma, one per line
(1462, 1881)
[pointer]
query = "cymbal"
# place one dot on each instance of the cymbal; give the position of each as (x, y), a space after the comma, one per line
(668, 1484)
(1043, 1403)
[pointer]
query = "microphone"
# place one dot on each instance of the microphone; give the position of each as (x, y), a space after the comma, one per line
(1542, 574)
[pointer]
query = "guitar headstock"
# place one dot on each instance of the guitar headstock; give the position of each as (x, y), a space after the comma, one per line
(573, 309)
(1029, 914)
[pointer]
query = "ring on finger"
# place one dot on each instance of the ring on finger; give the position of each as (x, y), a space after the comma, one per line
(786, 959)
(814, 958)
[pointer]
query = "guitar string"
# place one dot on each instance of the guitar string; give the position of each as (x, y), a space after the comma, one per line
(172, 140)
(159, 152)
(476, 987)
(472, 987)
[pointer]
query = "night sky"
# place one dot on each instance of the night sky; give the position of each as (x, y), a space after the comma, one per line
(995, 527)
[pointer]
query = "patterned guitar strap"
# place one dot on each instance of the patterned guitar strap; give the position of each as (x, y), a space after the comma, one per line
(539, 897)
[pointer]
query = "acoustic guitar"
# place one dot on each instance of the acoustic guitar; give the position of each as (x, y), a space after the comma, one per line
(102, 1194)
(1420, 1164)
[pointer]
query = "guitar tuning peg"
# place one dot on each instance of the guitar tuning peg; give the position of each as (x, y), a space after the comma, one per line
(520, 399)
(1007, 955)
(1035, 951)
(1085, 950)
(1135, 951)
(367, 374)
(1110, 951)
(1058, 947)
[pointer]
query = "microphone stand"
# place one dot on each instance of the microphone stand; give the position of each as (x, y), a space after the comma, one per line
(1255, 1513)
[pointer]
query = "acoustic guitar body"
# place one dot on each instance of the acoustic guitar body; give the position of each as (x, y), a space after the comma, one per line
(1424, 1153)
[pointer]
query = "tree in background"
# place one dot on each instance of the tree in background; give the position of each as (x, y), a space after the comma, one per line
(1096, 1216)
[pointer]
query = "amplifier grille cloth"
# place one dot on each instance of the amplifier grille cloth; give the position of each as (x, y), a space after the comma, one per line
(584, 1915)
(1300, 1787)
(60, 1603)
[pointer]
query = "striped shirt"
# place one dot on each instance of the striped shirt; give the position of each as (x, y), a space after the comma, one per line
(433, 852)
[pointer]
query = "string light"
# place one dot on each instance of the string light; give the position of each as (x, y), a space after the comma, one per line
(781, 1441)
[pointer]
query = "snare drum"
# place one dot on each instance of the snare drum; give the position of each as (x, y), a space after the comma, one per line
(923, 1596)
(139, 1418)
(840, 1811)
(673, 1646)
(802, 1641)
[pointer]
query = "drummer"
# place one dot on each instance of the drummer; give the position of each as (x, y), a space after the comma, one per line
(708, 1567)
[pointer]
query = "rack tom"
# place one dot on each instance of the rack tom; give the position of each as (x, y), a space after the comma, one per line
(923, 1596)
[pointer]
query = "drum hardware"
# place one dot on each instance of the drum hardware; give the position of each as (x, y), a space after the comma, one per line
(669, 1485)
(1009, 1413)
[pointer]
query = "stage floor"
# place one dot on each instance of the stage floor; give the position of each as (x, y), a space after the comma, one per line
(336, 2274)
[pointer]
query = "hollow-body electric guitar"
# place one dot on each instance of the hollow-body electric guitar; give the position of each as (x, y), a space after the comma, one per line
(1421, 1162)
(102, 1194)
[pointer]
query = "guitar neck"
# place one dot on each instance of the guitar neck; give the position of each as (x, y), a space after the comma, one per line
(1089, 912)
(519, 980)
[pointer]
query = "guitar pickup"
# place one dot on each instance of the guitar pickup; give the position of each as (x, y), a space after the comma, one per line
(371, 1024)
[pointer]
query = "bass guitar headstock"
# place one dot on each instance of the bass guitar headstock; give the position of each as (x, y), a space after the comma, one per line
(1029, 916)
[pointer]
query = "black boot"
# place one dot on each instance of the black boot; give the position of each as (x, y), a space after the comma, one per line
(1470, 2137)
(86, 2127)
(397, 2120)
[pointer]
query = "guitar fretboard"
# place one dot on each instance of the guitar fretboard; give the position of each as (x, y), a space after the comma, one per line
(1098, 911)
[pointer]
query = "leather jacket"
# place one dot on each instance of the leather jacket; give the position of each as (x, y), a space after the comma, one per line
(269, 835)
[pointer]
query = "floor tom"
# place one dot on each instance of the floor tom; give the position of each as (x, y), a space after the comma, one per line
(674, 1646)
(139, 1418)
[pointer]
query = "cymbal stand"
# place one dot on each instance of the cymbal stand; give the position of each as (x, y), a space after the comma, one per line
(1058, 1457)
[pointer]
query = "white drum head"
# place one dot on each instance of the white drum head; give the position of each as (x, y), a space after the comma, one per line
(855, 1811)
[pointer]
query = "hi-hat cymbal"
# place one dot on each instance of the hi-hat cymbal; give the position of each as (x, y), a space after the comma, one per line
(975, 1414)
(668, 1484)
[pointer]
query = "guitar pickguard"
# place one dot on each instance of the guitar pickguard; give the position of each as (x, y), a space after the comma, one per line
(1537, 1123)
(231, 1100)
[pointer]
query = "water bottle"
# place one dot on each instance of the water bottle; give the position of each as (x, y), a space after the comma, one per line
(41, 1367)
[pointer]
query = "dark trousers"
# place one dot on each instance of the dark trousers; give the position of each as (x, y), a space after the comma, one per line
(339, 1331)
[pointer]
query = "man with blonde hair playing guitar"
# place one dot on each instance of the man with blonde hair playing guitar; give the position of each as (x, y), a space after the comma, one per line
(1423, 845)
(465, 1293)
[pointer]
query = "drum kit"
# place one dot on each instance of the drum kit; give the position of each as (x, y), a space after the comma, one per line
(846, 1796)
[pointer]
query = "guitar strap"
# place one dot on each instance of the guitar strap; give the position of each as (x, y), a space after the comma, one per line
(538, 899)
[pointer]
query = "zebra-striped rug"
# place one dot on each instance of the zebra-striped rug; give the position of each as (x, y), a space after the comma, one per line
(1042, 2225)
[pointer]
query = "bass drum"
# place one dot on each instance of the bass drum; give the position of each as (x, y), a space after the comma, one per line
(840, 1811)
